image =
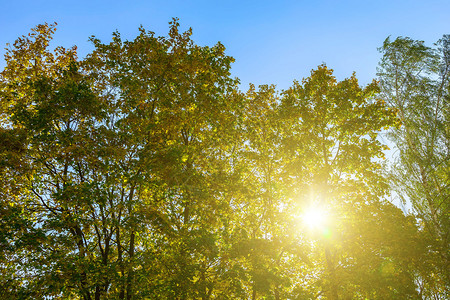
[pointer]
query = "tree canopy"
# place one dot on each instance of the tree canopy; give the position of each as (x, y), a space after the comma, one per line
(142, 171)
(414, 79)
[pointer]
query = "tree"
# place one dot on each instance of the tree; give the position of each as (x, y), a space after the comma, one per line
(46, 109)
(117, 153)
(170, 100)
(262, 238)
(414, 79)
(331, 148)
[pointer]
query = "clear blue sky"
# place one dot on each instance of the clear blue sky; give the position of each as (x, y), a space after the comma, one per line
(272, 41)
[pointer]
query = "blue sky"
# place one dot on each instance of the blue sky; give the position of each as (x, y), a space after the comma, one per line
(273, 42)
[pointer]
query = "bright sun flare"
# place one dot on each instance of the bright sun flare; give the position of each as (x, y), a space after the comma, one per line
(314, 217)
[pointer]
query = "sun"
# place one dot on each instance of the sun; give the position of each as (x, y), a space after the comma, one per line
(314, 217)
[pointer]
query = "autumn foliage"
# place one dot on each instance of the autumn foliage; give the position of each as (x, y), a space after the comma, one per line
(142, 171)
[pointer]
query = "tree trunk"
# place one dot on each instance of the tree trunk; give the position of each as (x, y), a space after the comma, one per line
(333, 292)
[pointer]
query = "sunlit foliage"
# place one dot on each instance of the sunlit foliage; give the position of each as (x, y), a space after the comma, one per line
(143, 172)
